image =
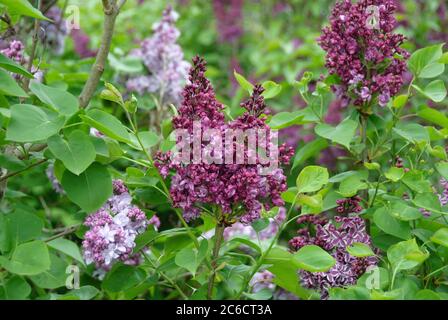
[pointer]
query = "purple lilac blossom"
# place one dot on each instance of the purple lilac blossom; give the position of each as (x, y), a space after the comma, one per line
(334, 237)
(369, 61)
(14, 51)
(53, 180)
(81, 44)
(113, 229)
(262, 280)
(229, 186)
(229, 19)
(164, 60)
(55, 31)
(240, 230)
(349, 205)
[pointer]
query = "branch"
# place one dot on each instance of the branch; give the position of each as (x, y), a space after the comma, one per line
(34, 45)
(111, 11)
(12, 174)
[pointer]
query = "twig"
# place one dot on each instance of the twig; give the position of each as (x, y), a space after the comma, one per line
(34, 45)
(12, 174)
(63, 233)
(111, 11)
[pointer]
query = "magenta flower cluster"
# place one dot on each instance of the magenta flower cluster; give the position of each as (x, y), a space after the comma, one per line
(334, 237)
(14, 51)
(366, 57)
(164, 60)
(229, 19)
(238, 190)
(113, 229)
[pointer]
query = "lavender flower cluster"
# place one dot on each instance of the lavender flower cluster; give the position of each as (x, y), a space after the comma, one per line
(229, 18)
(240, 230)
(14, 51)
(55, 31)
(334, 237)
(368, 59)
(235, 188)
(113, 229)
(164, 60)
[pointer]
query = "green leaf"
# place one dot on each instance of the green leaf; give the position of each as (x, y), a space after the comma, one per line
(309, 150)
(107, 124)
(15, 288)
(11, 65)
(76, 153)
(350, 186)
(9, 87)
(390, 225)
(394, 174)
(190, 258)
(314, 202)
(400, 101)
(24, 8)
(123, 277)
(312, 178)
(428, 201)
(246, 85)
(148, 138)
(427, 294)
(90, 189)
(416, 182)
(271, 89)
(342, 134)
(412, 132)
(53, 278)
(285, 119)
(60, 100)
(403, 212)
(406, 255)
(360, 250)
(314, 259)
(24, 226)
(67, 247)
(263, 294)
(433, 116)
(28, 259)
(436, 90)
(441, 237)
(442, 168)
(424, 62)
(30, 123)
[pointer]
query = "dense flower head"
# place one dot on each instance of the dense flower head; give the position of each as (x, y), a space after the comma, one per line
(163, 59)
(14, 51)
(237, 188)
(229, 18)
(363, 52)
(113, 229)
(349, 205)
(334, 237)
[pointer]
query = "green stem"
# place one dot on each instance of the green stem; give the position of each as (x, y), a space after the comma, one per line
(219, 236)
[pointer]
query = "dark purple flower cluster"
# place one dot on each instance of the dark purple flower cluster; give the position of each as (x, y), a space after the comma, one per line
(113, 229)
(238, 189)
(366, 57)
(14, 51)
(229, 19)
(334, 237)
(349, 205)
